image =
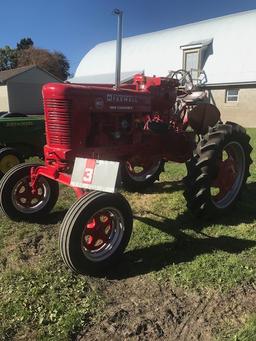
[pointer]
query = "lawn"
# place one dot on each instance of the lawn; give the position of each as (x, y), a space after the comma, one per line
(180, 278)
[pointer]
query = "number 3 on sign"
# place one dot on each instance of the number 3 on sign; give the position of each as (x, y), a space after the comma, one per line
(88, 173)
(89, 170)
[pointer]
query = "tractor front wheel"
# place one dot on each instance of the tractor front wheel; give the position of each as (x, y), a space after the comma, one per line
(218, 170)
(95, 232)
(19, 201)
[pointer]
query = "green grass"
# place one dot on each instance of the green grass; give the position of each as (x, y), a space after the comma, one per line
(47, 301)
(38, 296)
(41, 299)
(248, 332)
(219, 255)
(190, 253)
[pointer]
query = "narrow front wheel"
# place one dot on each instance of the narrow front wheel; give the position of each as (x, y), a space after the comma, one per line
(95, 232)
(19, 201)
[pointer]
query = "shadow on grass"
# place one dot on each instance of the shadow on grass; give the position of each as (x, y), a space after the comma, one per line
(52, 218)
(243, 212)
(164, 187)
(185, 247)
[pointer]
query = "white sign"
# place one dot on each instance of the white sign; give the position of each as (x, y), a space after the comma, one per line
(95, 174)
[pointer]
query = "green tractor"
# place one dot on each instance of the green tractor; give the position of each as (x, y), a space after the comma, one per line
(21, 137)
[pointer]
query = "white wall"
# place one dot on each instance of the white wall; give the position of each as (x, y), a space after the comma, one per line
(4, 103)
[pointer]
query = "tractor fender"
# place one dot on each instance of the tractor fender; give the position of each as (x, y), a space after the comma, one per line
(203, 116)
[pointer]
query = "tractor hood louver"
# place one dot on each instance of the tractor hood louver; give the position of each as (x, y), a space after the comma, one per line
(58, 122)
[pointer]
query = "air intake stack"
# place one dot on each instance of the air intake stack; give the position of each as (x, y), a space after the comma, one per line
(119, 14)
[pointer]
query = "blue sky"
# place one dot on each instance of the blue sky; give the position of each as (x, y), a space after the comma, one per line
(74, 27)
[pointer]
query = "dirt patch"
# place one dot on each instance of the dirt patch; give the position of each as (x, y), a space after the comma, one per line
(31, 246)
(140, 309)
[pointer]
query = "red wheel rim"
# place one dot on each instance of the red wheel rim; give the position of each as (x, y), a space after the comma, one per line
(25, 197)
(98, 231)
(102, 233)
(230, 176)
(28, 201)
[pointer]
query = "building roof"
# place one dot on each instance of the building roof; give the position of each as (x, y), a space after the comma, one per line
(8, 74)
(232, 58)
(106, 78)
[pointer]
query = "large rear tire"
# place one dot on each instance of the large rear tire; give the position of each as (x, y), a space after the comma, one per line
(95, 232)
(17, 199)
(218, 170)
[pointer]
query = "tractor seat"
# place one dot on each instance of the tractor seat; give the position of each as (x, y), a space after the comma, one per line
(194, 97)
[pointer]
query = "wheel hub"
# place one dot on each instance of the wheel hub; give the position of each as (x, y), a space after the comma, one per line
(29, 200)
(102, 234)
(98, 231)
(7, 162)
(27, 197)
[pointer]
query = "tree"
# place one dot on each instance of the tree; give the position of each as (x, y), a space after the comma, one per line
(8, 58)
(25, 43)
(55, 63)
(8, 55)
(26, 54)
(63, 63)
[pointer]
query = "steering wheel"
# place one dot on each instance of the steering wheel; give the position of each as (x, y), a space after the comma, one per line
(184, 78)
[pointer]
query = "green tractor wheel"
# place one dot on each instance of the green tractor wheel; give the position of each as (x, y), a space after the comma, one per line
(9, 158)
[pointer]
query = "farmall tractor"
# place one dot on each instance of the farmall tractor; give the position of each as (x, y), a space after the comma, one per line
(91, 130)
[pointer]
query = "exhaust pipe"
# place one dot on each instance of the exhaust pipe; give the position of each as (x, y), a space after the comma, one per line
(119, 14)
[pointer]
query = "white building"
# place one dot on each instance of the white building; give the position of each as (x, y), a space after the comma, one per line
(223, 47)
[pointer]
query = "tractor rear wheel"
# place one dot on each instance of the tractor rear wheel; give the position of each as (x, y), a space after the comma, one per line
(95, 232)
(139, 177)
(218, 170)
(9, 157)
(17, 199)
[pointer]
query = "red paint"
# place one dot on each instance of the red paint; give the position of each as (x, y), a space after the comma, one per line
(89, 171)
(226, 178)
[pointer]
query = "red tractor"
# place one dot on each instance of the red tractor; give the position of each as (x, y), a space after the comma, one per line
(92, 129)
(138, 126)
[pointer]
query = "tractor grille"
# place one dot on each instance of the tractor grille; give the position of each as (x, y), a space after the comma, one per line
(58, 122)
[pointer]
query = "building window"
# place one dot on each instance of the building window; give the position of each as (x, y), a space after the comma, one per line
(195, 55)
(231, 95)
(191, 62)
